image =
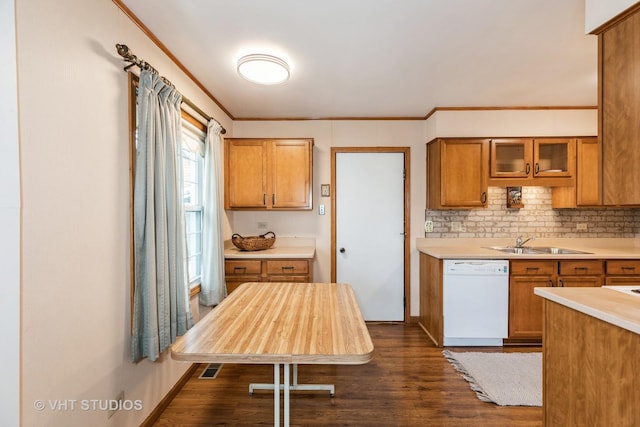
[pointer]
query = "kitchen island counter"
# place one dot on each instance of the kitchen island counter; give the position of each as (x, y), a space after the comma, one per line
(478, 248)
(590, 345)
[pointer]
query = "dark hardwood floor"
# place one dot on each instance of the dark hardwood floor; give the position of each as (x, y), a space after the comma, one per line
(408, 383)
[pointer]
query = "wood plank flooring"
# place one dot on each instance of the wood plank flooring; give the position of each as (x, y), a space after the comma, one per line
(408, 383)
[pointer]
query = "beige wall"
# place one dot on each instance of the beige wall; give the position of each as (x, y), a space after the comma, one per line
(75, 226)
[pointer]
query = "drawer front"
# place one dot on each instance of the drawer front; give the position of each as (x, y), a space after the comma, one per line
(533, 268)
(623, 267)
(287, 267)
(289, 279)
(581, 268)
(242, 267)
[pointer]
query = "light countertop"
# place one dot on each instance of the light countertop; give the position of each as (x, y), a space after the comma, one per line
(476, 248)
(611, 304)
(283, 247)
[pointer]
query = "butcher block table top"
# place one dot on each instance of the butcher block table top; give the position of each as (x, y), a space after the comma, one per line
(280, 323)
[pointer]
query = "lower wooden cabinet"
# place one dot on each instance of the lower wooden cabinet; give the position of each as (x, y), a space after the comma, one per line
(525, 308)
(239, 271)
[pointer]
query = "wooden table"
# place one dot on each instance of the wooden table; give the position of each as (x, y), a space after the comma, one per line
(281, 324)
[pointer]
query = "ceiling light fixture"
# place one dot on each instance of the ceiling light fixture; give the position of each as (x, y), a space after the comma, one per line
(263, 69)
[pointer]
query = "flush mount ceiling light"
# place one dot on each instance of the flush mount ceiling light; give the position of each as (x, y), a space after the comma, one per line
(263, 69)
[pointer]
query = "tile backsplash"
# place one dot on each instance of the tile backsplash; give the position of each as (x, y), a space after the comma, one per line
(535, 218)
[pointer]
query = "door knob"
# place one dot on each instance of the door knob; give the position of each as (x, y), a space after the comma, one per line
(342, 250)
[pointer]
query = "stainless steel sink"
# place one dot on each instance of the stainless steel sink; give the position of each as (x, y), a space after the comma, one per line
(552, 250)
(514, 250)
(535, 250)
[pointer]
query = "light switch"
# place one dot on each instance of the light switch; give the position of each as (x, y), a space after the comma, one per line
(320, 209)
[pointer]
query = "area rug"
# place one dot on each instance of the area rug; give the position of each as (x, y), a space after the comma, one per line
(506, 379)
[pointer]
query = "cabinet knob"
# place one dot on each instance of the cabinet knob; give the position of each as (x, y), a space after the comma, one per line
(342, 250)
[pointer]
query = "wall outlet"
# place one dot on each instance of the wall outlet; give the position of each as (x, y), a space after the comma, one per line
(428, 226)
(581, 226)
(262, 225)
(455, 226)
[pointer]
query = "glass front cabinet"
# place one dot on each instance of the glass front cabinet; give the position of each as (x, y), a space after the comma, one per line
(514, 160)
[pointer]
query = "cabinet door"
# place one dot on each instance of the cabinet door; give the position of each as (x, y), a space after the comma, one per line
(525, 308)
(589, 172)
(245, 174)
(622, 281)
(619, 111)
(587, 189)
(511, 158)
(461, 168)
(554, 157)
(291, 162)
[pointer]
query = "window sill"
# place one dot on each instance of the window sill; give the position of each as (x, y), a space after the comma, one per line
(195, 290)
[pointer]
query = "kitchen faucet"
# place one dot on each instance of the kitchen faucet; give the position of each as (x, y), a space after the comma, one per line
(520, 242)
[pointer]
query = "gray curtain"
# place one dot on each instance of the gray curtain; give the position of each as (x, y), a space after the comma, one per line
(161, 309)
(213, 289)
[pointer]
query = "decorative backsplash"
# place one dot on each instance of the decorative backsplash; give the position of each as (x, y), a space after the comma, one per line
(535, 218)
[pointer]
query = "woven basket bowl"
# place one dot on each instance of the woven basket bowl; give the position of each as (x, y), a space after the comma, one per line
(254, 243)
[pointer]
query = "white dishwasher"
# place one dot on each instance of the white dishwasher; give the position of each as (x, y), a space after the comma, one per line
(475, 302)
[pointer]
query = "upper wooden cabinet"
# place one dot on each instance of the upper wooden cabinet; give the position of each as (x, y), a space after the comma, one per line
(539, 161)
(619, 110)
(457, 173)
(587, 191)
(273, 174)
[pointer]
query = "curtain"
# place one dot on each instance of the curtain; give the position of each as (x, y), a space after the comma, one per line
(213, 289)
(161, 309)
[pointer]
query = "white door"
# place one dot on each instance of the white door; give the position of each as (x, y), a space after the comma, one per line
(369, 215)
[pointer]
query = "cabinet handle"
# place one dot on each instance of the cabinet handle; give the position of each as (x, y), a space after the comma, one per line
(527, 168)
(628, 268)
(273, 199)
(537, 168)
(561, 282)
(577, 269)
(287, 268)
(550, 282)
(483, 197)
(264, 199)
(243, 269)
(533, 268)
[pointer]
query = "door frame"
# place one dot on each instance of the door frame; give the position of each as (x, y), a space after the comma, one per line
(407, 210)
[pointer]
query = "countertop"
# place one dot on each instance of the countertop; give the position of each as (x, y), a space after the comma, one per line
(612, 304)
(476, 248)
(284, 247)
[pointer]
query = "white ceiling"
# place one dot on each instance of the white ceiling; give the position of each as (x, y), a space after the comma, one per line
(382, 58)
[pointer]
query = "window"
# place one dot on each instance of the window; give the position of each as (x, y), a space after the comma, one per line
(192, 171)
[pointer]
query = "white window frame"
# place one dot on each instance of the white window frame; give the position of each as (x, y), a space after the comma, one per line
(193, 140)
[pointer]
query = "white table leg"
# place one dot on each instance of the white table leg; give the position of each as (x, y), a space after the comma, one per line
(276, 395)
(286, 394)
(295, 386)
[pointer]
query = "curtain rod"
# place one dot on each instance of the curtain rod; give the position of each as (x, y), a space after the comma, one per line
(125, 52)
